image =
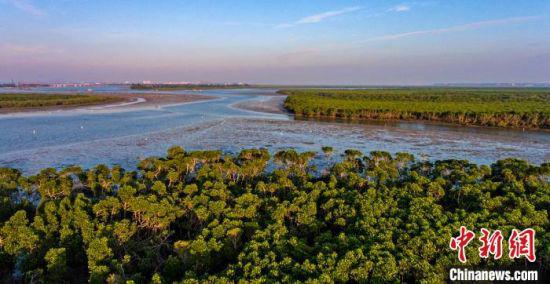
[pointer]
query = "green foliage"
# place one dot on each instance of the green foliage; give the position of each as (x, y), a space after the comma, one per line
(98, 254)
(528, 108)
(327, 150)
(207, 217)
(17, 236)
(56, 264)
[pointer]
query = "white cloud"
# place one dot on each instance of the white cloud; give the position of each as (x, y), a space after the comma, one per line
(27, 7)
(400, 8)
(320, 17)
(458, 28)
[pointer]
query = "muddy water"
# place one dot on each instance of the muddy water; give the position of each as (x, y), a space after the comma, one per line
(122, 136)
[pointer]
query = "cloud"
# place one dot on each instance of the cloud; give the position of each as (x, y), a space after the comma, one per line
(320, 17)
(13, 49)
(400, 8)
(27, 7)
(458, 28)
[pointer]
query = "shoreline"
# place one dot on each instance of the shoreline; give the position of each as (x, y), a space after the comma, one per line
(273, 104)
(121, 101)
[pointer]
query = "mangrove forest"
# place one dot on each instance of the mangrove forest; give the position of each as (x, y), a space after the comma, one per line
(34, 100)
(504, 107)
(289, 216)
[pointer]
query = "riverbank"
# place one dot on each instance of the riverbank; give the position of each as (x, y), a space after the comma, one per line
(110, 101)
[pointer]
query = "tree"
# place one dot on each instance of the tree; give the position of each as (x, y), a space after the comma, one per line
(17, 237)
(56, 260)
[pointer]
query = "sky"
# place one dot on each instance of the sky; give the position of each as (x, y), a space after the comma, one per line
(275, 42)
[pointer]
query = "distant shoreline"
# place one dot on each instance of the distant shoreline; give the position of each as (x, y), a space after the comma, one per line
(174, 87)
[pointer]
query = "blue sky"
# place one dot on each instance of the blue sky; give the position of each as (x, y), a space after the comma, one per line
(287, 42)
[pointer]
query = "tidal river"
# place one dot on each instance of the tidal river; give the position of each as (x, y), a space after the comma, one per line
(122, 136)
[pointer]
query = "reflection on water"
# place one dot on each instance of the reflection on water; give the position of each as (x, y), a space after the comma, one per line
(34, 142)
(542, 136)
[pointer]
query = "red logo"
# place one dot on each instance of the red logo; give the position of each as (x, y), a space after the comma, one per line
(461, 242)
(491, 244)
(522, 244)
(519, 244)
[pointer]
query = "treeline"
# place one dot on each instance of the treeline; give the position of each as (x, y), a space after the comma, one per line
(41, 100)
(204, 216)
(517, 108)
(165, 87)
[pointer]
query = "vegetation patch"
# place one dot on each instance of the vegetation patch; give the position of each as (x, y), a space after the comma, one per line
(17, 101)
(207, 217)
(518, 108)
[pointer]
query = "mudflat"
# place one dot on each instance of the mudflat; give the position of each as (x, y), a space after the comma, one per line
(274, 104)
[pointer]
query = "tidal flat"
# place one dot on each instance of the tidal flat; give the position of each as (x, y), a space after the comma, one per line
(232, 120)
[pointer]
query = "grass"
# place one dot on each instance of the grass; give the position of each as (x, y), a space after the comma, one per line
(521, 108)
(33, 100)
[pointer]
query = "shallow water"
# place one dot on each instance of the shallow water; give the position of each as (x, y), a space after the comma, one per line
(92, 136)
